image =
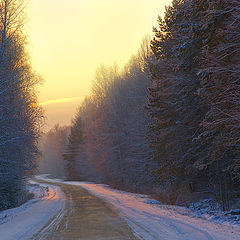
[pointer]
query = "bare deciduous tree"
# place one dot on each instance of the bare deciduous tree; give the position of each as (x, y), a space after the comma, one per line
(20, 114)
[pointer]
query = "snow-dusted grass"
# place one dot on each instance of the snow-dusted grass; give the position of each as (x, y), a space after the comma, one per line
(24, 221)
(151, 220)
(211, 210)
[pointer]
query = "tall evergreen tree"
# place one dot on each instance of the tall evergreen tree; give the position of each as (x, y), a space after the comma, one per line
(173, 101)
(194, 100)
(220, 89)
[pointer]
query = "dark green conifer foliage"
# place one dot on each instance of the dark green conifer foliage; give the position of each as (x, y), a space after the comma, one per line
(194, 100)
(173, 101)
(220, 88)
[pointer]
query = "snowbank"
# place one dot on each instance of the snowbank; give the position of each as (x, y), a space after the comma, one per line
(150, 220)
(23, 222)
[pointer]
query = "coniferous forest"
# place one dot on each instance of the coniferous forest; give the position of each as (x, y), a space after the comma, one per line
(168, 122)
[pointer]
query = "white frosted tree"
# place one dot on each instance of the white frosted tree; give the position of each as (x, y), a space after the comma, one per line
(20, 115)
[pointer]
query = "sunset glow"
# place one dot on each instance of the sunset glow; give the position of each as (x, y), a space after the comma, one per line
(120, 119)
(70, 39)
(63, 100)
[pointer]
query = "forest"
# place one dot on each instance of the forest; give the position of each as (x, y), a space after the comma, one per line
(166, 124)
(20, 115)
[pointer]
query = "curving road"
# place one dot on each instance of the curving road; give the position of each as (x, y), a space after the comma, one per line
(84, 216)
(97, 212)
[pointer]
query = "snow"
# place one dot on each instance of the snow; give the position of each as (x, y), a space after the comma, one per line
(151, 220)
(148, 218)
(23, 222)
(211, 210)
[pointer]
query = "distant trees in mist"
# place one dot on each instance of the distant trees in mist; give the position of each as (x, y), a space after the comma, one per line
(168, 122)
(20, 116)
(112, 125)
(52, 146)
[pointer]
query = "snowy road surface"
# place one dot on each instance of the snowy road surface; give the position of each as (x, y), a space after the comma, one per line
(156, 222)
(77, 214)
(85, 217)
(23, 222)
(160, 222)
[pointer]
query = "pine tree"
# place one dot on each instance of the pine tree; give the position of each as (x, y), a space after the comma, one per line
(220, 89)
(174, 104)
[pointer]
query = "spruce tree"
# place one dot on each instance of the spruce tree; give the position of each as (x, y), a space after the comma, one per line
(220, 89)
(174, 103)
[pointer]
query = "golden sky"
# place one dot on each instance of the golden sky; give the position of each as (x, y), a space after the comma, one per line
(69, 39)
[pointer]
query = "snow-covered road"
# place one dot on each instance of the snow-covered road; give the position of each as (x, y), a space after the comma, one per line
(23, 222)
(151, 221)
(161, 222)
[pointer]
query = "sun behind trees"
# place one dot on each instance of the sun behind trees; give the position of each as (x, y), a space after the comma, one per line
(20, 114)
(168, 123)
